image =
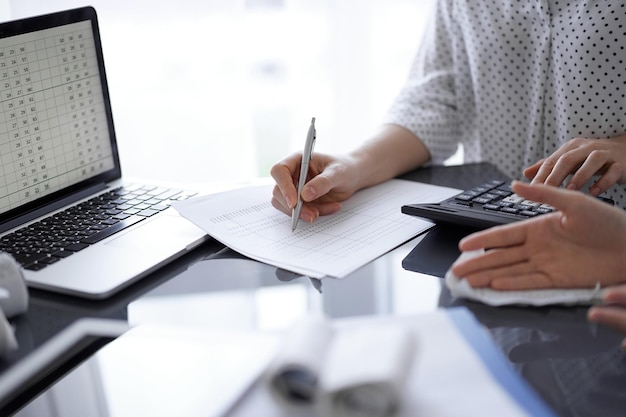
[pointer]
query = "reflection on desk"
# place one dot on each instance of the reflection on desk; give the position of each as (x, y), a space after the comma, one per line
(155, 370)
(577, 370)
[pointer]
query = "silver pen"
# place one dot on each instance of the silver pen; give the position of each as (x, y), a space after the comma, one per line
(304, 170)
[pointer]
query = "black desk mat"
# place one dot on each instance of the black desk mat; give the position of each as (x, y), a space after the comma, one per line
(434, 254)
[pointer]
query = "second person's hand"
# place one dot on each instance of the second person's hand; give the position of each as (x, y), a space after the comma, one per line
(583, 159)
(581, 244)
(613, 312)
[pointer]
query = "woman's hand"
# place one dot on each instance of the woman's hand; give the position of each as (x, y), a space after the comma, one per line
(583, 159)
(331, 180)
(582, 243)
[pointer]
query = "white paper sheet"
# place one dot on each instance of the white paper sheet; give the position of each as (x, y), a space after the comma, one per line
(448, 378)
(157, 371)
(369, 224)
(335, 373)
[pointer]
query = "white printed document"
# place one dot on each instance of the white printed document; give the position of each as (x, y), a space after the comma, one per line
(457, 370)
(369, 224)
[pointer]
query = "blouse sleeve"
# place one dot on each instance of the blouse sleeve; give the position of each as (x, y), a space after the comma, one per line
(426, 105)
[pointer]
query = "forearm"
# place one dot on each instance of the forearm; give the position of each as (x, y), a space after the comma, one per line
(391, 152)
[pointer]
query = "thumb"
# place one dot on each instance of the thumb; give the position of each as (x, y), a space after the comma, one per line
(318, 186)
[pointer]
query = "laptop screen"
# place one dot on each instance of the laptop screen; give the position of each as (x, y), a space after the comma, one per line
(56, 131)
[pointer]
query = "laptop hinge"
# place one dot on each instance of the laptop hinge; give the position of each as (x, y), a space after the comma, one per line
(53, 206)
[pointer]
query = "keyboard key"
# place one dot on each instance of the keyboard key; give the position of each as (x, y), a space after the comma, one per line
(515, 199)
(75, 247)
(76, 228)
(510, 210)
(494, 207)
(96, 237)
(502, 193)
(464, 197)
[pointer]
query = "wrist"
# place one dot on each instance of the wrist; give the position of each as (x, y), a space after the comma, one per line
(393, 151)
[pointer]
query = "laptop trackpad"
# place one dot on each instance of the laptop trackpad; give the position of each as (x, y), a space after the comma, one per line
(160, 234)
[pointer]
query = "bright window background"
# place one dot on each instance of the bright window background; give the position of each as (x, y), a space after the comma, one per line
(218, 90)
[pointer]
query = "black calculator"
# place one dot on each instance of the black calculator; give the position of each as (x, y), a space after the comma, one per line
(488, 204)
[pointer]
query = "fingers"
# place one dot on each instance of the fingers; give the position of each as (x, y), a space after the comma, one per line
(495, 237)
(507, 270)
(554, 169)
(317, 187)
(608, 179)
(546, 167)
(567, 163)
(556, 197)
(544, 171)
(583, 159)
(615, 295)
(322, 173)
(614, 314)
(481, 275)
(591, 166)
(523, 281)
(532, 170)
(278, 201)
(493, 264)
(582, 162)
(310, 211)
(285, 174)
(614, 317)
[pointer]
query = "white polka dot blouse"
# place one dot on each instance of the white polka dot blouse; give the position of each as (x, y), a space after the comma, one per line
(513, 80)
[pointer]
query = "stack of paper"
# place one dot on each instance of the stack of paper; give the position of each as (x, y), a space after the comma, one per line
(457, 370)
(369, 224)
(334, 372)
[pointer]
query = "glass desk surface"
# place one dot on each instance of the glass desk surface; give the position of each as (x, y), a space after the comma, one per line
(577, 368)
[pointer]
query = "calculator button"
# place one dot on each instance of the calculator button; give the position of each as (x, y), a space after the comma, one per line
(494, 183)
(511, 210)
(464, 197)
(482, 200)
(490, 196)
(502, 193)
(530, 203)
(515, 199)
(493, 207)
(544, 210)
(481, 189)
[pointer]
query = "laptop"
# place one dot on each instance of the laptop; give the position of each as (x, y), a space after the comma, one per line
(61, 166)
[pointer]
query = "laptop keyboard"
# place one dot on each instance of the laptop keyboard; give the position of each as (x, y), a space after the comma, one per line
(62, 234)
